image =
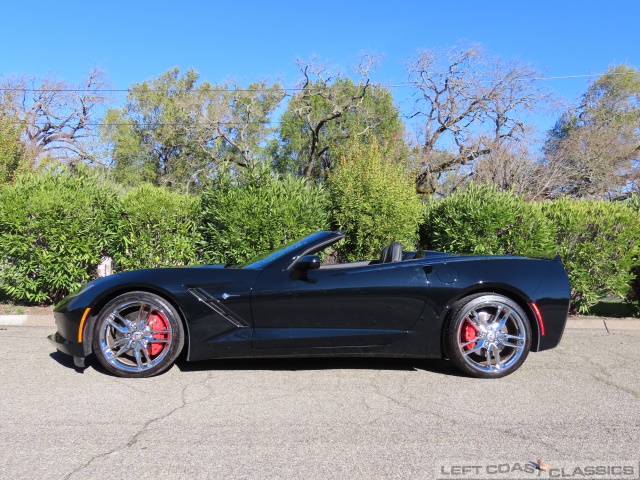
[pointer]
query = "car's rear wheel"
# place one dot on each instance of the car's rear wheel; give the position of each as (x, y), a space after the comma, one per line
(488, 336)
(138, 334)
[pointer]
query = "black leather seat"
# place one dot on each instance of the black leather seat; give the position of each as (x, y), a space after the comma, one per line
(392, 253)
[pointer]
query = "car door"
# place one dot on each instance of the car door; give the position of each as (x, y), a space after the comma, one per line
(337, 306)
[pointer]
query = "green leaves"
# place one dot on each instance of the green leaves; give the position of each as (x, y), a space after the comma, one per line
(257, 213)
(600, 245)
(176, 132)
(12, 150)
(596, 145)
(55, 226)
(53, 230)
(483, 221)
(156, 228)
(325, 116)
(374, 200)
(599, 242)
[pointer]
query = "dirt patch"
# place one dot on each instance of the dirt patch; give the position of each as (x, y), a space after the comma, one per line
(10, 309)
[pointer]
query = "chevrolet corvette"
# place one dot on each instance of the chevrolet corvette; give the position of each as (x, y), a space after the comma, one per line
(483, 313)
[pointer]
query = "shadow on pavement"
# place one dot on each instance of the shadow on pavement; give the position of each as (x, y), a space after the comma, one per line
(65, 360)
(437, 366)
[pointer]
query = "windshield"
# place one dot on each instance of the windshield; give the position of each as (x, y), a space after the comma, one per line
(260, 261)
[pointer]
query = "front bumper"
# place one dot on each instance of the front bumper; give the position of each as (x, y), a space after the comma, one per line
(65, 346)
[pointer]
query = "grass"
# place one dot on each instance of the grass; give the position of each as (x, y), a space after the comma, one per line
(10, 309)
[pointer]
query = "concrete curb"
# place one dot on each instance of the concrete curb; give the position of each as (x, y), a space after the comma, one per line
(577, 323)
(603, 323)
(28, 320)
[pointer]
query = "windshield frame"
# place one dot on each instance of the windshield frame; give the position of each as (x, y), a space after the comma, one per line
(290, 251)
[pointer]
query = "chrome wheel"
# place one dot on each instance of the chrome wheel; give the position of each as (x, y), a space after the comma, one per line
(137, 334)
(490, 336)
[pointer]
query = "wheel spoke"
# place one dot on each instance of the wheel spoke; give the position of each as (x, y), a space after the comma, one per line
(151, 339)
(479, 346)
(159, 332)
(146, 356)
(126, 322)
(502, 321)
(142, 320)
(519, 341)
(465, 344)
(477, 321)
(512, 337)
(118, 343)
(487, 354)
(496, 356)
(136, 352)
(511, 345)
(119, 328)
(124, 349)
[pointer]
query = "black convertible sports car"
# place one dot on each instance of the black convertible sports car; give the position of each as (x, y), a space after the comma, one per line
(484, 313)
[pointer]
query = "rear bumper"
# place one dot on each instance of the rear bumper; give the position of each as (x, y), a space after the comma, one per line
(552, 298)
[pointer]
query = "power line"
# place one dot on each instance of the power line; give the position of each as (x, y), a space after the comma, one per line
(133, 124)
(262, 90)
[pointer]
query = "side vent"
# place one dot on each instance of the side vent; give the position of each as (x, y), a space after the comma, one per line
(217, 306)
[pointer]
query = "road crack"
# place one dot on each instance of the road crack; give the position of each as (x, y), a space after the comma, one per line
(136, 436)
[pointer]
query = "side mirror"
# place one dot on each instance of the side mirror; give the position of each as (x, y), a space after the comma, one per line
(308, 262)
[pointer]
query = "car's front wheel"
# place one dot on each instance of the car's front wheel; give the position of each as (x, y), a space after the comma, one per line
(137, 334)
(488, 336)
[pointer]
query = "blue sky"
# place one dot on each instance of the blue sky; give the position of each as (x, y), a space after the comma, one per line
(135, 40)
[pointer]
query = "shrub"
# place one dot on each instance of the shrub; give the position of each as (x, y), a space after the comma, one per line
(156, 228)
(54, 227)
(600, 245)
(483, 221)
(242, 218)
(634, 203)
(374, 201)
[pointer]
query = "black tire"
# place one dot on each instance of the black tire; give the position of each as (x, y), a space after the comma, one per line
(138, 334)
(487, 336)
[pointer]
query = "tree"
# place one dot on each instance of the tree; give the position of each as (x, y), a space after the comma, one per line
(58, 118)
(597, 144)
(468, 105)
(12, 157)
(240, 118)
(327, 111)
(174, 131)
(151, 137)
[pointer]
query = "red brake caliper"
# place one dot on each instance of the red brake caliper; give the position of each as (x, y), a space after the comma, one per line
(469, 332)
(157, 321)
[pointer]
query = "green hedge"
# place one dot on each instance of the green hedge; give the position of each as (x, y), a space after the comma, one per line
(262, 211)
(53, 230)
(634, 203)
(600, 246)
(483, 221)
(156, 228)
(374, 201)
(599, 242)
(54, 227)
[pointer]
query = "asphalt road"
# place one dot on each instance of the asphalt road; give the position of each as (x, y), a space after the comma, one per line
(579, 403)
